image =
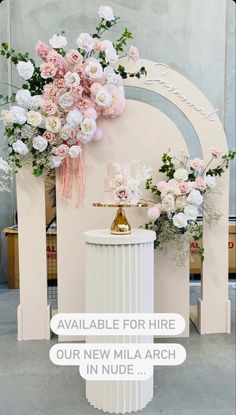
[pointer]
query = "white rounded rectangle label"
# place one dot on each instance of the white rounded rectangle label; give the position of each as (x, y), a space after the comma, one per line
(116, 324)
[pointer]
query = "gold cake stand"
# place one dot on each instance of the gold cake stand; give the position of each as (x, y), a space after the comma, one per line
(120, 225)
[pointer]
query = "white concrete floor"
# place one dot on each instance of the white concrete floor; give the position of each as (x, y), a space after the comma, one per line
(31, 385)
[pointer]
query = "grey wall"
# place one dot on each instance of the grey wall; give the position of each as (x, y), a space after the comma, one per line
(195, 37)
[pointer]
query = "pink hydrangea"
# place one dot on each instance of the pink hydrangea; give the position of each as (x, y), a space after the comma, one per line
(215, 151)
(196, 164)
(42, 50)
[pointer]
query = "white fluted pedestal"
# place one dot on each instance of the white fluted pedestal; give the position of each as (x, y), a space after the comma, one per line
(119, 279)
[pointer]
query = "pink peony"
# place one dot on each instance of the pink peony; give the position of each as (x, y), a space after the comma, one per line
(48, 70)
(74, 57)
(154, 212)
(215, 151)
(133, 54)
(162, 186)
(62, 150)
(96, 45)
(184, 187)
(42, 50)
(50, 137)
(200, 183)
(196, 164)
(49, 107)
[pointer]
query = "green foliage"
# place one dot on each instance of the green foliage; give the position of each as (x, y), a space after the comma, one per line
(10, 53)
(218, 170)
(167, 166)
(103, 26)
(122, 41)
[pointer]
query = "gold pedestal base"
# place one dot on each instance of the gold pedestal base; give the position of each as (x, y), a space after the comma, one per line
(120, 225)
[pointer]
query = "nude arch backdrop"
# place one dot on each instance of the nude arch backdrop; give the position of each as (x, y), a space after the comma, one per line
(142, 132)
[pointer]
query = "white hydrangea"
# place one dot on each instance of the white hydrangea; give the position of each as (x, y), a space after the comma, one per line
(17, 115)
(5, 117)
(25, 69)
(23, 98)
(40, 143)
(20, 147)
(58, 41)
(168, 203)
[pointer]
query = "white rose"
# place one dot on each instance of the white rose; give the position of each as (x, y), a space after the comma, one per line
(17, 115)
(5, 117)
(195, 197)
(74, 151)
(210, 181)
(66, 100)
(40, 143)
(23, 98)
(65, 132)
(111, 55)
(93, 69)
(25, 69)
(72, 78)
(103, 97)
(106, 13)
(191, 212)
(4, 165)
(180, 220)
(34, 118)
(55, 162)
(88, 126)
(58, 41)
(74, 118)
(181, 175)
(53, 124)
(85, 42)
(36, 102)
(20, 148)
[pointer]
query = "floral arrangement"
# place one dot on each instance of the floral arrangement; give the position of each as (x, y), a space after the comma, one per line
(126, 187)
(188, 193)
(55, 111)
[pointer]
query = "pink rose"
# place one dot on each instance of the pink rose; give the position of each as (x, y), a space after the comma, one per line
(84, 104)
(200, 183)
(74, 57)
(196, 164)
(48, 70)
(215, 151)
(62, 150)
(183, 187)
(106, 44)
(50, 137)
(162, 186)
(59, 83)
(154, 212)
(42, 50)
(76, 91)
(133, 54)
(49, 107)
